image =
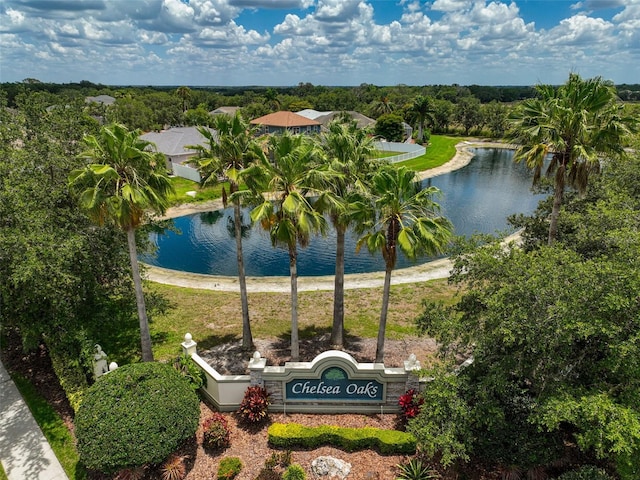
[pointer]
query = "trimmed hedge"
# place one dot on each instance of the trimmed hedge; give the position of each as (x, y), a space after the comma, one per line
(287, 435)
(135, 415)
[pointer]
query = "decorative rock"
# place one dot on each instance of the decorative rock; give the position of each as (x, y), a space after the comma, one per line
(330, 467)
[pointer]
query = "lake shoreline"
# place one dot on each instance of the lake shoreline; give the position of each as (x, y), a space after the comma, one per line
(436, 269)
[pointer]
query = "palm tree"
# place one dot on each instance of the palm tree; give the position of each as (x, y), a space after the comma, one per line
(578, 124)
(185, 94)
(226, 155)
(349, 150)
(421, 110)
(123, 180)
(405, 216)
(381, 106)
(284, 181)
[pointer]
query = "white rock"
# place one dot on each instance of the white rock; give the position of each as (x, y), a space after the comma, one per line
(330, 467)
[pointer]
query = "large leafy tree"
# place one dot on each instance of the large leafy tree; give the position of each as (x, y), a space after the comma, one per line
(122, 182)
(285, 180)
(406, 217)
(554, 334)
(226, 152)
(63, 282)
(349, 151)
(578, 124)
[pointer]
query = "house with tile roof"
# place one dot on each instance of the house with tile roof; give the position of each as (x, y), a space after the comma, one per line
(173, 144)
(278, 122)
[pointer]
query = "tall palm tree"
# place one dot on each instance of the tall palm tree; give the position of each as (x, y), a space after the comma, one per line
(421, 110)
(349, 151)
(285, 181)
(225, 154)
(185, 94)
(578, 124)
(123, 180)
(405, 217)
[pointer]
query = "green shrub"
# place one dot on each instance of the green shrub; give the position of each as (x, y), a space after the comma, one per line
(135, 415)
(229, 468)
(188, 368)
(66, 360)
(287, 435)
(586, 472)
(294, 472)
(415, 470)
(255, 403)
(216, 432)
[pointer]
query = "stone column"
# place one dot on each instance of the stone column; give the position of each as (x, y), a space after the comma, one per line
(412, 368)
(256, 368)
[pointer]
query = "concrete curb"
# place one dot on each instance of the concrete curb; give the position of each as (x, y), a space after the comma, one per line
(24, 451)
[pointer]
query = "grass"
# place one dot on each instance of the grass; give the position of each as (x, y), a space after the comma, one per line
(441, 149)
(3, 475)
(54, 429)
(182, 186)
(214, 317)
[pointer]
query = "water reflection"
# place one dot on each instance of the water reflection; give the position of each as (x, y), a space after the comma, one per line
(476, 198)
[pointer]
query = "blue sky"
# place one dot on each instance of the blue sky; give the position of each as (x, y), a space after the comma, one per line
(324, 42)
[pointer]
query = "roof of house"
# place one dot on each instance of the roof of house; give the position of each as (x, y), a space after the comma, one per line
(284, 119)
(104, 99)
(362, 121)
(174, 140)
(228, 110)
(311, 113)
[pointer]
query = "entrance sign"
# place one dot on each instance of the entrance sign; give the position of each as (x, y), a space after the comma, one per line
(334, 385)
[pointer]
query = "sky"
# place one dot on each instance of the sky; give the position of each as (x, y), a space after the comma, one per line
(323, 42)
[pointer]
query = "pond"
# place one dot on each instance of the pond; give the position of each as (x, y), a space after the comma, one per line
(476, 198)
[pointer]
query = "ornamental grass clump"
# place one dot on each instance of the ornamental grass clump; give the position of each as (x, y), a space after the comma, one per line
(134, 416)
(255, 404)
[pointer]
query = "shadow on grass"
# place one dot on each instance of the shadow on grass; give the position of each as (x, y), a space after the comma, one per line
(314, 340)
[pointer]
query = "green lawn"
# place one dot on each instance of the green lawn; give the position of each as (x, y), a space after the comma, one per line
(441, 149)
(54, 429)
(214, 317)
(3, 476)
(182, 186)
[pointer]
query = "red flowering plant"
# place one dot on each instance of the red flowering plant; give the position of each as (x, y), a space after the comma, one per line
(410, 404)
(253, 408)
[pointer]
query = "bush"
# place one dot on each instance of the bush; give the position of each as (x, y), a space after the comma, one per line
(216, 432)
(135, 415)
(587, 472)
(229, 468)
(188, 368)
(294, 472)
(350, 439)
(253, 408)
(415, 470)
(410, 404)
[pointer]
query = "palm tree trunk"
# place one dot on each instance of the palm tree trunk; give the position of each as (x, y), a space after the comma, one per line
(557, 203)
(293, 270)
(247, 338)
(337, 331)
(145, 336)
(383, 315)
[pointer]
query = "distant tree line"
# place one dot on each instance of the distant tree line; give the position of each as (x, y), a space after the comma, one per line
(442, 109)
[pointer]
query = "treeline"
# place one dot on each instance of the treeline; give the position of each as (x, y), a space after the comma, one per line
(442, 109)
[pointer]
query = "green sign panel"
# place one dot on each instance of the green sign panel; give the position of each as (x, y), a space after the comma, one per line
(334, 385)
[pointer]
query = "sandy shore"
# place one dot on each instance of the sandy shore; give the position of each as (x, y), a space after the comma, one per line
(419, 273)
